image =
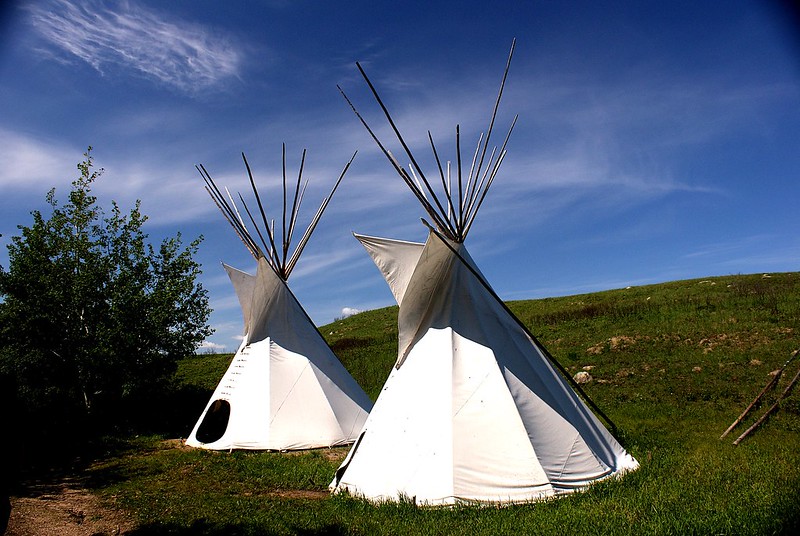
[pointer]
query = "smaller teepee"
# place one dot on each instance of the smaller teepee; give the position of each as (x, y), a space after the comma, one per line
(284, 389)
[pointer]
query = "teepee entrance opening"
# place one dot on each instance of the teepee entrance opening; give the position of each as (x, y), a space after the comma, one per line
(215, 422)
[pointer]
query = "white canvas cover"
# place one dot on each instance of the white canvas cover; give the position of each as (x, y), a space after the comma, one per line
(284, 389)
(473, 410)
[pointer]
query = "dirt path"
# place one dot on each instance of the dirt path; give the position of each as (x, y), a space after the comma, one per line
(64, 509)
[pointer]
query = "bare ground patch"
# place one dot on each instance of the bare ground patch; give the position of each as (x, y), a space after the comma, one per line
(300, 494)
(64, 509)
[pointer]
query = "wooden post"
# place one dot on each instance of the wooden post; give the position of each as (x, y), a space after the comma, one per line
(767, 413)
(772, 383)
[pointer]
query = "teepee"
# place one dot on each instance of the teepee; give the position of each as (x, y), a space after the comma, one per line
(474, 409)
(284, 388)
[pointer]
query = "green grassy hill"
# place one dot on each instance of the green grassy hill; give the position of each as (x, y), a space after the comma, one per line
(671, 364)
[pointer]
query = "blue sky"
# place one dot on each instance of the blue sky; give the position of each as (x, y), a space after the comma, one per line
(656, 140)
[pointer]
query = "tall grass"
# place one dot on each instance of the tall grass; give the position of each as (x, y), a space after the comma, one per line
(672, 365)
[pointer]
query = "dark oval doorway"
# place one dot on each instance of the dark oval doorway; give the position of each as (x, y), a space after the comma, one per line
(215, 422)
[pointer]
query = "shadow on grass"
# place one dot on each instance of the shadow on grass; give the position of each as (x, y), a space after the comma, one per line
(172, 414)
(204, 528)
(58, 453)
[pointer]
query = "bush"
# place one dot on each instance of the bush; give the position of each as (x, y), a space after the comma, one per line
(91, 315)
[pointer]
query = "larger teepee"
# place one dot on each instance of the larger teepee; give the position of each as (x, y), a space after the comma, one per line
(284, 389)
(474, 409)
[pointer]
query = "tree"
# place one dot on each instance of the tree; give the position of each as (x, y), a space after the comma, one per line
(90, 313)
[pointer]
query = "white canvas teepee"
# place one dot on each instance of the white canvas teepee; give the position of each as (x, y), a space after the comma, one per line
(284, 389)
(474, 409)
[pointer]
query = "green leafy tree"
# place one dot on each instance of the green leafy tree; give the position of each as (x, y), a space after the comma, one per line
(91, 314)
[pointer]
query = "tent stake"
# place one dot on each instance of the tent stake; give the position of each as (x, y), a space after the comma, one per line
(772, 383)
(772, 408)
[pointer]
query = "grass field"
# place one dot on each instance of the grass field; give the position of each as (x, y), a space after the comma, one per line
(672, 365)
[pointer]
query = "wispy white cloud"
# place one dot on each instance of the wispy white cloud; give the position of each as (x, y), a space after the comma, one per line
(764, 251)
(179, 54)
(313, 262)
(31, 164)
(598, 144)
